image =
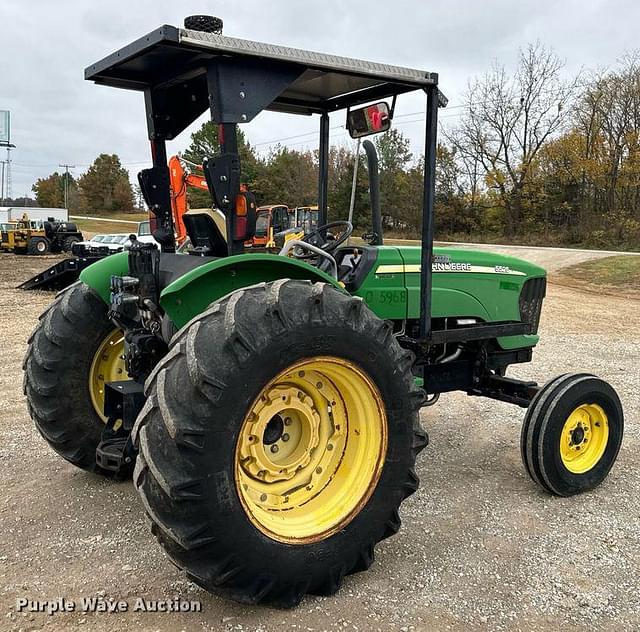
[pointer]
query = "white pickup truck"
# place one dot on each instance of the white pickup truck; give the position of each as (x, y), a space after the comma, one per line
(114, 242)
(144, 233)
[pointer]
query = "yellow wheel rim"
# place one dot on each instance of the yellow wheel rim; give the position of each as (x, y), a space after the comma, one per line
(107, 366)
(584, 438)
(310, 450)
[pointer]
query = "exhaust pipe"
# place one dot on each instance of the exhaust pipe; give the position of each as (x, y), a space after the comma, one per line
(374, 192)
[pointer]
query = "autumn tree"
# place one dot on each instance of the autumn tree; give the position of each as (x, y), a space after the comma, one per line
(288, 177)
(105, 187)
(397, 195)
(608, 117)
(455, 206)
(507, 121)
(50, 191)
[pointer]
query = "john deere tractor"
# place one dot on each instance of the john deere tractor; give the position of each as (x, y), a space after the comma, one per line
(267, 405)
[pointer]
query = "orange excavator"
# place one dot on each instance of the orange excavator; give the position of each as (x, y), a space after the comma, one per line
(270, 219)
(180, 179)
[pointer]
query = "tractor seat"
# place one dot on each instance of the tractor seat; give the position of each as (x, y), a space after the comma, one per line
(173, 266)
(207, 229)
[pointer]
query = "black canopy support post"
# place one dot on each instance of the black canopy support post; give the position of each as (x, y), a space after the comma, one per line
(159, 153)
(427, 212)
(155, 187)
(228, 184)
(238, 90)
(323, 168)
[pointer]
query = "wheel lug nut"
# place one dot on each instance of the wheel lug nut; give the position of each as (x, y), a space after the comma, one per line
(274, 448)
(263, 497)
(329, 447)
(285, 437)
(287, 421)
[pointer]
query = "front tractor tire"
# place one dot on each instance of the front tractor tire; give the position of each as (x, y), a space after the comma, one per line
(278, 441)
(572, 434)
(73, 351)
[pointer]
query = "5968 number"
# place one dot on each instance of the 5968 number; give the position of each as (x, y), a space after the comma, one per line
(386, 297)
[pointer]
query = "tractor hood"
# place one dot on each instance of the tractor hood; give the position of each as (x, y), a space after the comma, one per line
(465, 260)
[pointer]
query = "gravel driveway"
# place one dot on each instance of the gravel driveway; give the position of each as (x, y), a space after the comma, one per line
(481, 547)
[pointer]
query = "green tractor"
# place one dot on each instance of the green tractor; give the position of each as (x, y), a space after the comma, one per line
(267, 405)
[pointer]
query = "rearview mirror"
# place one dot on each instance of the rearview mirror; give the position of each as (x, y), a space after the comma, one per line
(371, 119)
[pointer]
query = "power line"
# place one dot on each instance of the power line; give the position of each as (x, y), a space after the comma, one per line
(421, 117)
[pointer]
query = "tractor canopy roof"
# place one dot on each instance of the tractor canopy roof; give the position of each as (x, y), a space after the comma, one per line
(183, 72)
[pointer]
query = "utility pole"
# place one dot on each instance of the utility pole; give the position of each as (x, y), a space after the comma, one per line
(2, 182)
(66, 183)
(5, 141)
(8, 168)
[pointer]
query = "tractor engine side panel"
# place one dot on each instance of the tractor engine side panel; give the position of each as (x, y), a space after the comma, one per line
(391, 289)
(491, 282)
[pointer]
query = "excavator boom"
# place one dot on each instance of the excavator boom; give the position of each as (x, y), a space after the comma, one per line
(179, 181)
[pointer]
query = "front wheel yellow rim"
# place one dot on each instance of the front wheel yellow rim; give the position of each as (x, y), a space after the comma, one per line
(584, 438)
(310, 450)
(107, 366)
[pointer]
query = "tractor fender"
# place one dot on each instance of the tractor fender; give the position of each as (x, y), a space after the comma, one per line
(193, 292)
(98, 275)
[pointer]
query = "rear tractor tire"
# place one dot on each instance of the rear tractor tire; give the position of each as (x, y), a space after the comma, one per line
(572, 433)
(278, 441)
(73, 351)
(38, 246)
(67, 245)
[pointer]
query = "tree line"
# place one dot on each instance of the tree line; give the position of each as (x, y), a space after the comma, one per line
(104, 188)
(532, 157)
(540, 158)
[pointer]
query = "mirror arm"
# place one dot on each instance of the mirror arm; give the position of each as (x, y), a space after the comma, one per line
(393, 107)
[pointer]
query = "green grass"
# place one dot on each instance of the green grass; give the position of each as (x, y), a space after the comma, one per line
(94, 227)
(135, 217)
(621, 272)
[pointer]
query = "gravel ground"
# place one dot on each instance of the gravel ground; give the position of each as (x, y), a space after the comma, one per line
(481, 547)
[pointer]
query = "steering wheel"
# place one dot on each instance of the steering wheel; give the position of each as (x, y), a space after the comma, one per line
(320, 238)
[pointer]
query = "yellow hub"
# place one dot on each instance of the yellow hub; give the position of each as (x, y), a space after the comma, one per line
(584, 438)
(310, 450)
(107, 366)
